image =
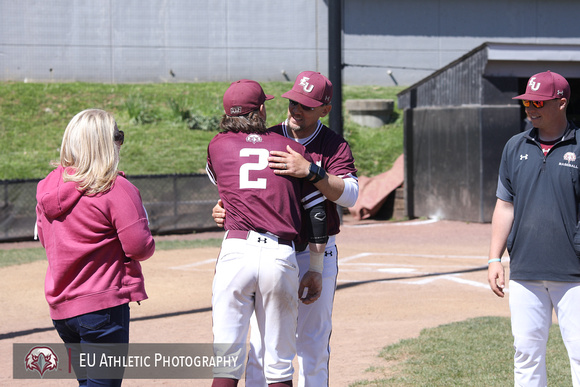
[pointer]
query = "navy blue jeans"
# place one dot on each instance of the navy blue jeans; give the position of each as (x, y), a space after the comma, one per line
(103, 326)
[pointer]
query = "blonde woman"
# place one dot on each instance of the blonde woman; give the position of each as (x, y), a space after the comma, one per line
(93, 225)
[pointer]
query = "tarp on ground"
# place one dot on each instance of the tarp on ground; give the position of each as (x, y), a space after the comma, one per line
(373, 191)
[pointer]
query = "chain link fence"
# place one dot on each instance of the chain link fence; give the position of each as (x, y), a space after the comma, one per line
(175, 204)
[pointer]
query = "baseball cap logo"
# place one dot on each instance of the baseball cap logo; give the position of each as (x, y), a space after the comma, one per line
(533, 85)
(305, 85)
(41, 359)
(545, 86)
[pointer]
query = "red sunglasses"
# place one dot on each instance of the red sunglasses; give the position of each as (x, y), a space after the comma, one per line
(537, 104)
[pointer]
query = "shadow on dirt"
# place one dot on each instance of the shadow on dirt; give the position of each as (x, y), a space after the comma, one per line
(11, 335)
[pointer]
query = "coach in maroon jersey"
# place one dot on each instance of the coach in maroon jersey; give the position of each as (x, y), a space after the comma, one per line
(257, 269)
(308, 101)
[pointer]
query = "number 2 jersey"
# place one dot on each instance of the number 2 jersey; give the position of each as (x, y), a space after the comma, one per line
(253, 196)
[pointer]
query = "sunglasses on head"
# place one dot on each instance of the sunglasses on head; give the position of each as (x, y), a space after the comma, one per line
(119, 137)
(294, 103)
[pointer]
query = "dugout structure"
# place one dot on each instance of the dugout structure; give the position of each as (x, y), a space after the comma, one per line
(458, 119)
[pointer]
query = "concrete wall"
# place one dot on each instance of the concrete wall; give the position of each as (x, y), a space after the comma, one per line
(160, 40)
(267, 40)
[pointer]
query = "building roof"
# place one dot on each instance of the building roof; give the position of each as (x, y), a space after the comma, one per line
(520, 60)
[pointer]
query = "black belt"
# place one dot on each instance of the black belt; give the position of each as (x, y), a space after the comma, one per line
(241, 234)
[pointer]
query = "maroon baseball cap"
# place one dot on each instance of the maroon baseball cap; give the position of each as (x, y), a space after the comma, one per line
(545, 86)
(311, 89)
(244, 96)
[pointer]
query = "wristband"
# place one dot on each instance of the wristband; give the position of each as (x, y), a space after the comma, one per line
(315, 173)
(316, 262)
(494, 260)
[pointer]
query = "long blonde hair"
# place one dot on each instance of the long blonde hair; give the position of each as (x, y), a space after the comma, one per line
(89, 153)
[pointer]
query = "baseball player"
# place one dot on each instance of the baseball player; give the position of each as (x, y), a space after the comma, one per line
(309, 100)
(257, 269)
(536, 217)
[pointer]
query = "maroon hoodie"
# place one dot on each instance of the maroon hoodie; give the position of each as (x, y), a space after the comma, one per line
(93, 245)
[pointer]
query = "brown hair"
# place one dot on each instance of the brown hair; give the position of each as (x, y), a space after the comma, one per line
(249, 123)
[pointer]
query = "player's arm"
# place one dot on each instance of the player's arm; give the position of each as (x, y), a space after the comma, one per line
(218, 213)
(336, 189)
(501, 224)
(318, 236)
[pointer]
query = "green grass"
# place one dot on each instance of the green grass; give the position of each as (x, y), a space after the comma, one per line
(20, 256)
(167, 126)
(187, 244)
(475, 352)
(10, 257)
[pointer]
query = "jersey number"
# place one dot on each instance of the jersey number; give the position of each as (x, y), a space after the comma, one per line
(245, 169)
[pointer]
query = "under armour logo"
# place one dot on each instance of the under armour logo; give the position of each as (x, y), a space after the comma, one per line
(328, 253)
(524, 157)
(533, 85)
(560, 92)
(262, 240)
(305, 85)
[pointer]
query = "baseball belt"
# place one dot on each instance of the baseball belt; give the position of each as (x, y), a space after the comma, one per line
(241, 234)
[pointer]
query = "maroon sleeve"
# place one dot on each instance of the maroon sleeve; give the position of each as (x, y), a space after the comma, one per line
(130, 221)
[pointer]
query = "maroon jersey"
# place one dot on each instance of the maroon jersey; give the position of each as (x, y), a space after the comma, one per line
(331, 152)
(253, 196)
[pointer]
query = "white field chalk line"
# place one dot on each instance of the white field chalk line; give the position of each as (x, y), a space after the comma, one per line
(418, 271)
(426, 281)
(398, 224)
(361, 255)
(397, 270)
(453, 278)
(409, 268)
(189, 265)
(449, 278)
(378, 264)
(387, 264)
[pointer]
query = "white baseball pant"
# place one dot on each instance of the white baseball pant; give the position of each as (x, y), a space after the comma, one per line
(531, 304)
(313, 332)
(262, 277)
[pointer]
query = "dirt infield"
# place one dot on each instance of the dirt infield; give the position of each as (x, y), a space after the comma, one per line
(395, 279)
